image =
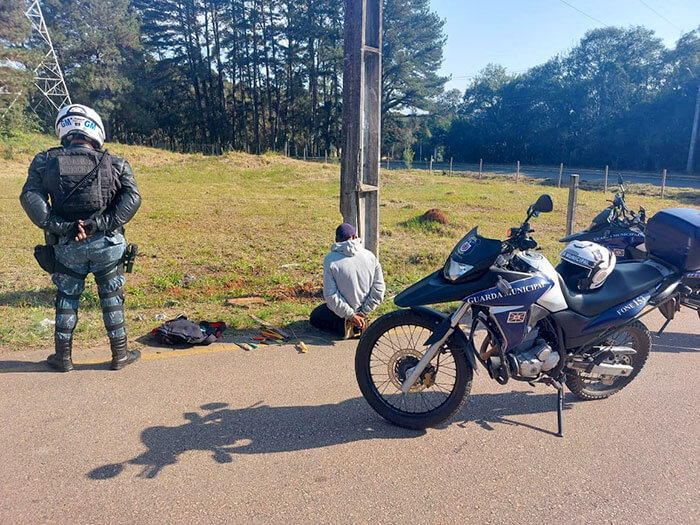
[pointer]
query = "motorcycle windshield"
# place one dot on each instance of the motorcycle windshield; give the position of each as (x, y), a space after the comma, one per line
(471, 256)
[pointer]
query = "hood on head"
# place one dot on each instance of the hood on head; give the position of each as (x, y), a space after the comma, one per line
(348, 248)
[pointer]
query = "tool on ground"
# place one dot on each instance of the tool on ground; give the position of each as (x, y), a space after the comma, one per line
(270, 326)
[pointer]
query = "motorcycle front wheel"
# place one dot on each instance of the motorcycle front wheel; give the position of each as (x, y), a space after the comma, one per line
(388, 349)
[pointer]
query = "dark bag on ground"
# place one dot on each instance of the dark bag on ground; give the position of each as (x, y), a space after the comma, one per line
(180, 331)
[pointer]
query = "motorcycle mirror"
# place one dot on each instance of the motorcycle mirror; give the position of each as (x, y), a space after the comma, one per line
(543, 204)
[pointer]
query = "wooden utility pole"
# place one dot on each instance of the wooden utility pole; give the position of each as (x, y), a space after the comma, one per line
(694, 134)
(573, 203)
(663, 183)
(561, 170)
(361, 135)
(605, 184)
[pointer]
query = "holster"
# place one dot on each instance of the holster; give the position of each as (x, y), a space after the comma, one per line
(132, 250)
(46, 257)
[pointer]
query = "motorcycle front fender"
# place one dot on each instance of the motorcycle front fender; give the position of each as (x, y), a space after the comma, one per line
(457, 340)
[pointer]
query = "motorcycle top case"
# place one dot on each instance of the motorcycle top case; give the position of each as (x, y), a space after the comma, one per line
(674, 236)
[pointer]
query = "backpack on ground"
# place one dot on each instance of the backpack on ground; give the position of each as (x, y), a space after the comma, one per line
(180, 331)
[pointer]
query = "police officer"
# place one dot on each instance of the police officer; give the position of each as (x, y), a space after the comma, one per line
(81, 196)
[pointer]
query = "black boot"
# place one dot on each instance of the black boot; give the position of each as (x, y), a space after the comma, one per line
(62, 360)
(121, 356)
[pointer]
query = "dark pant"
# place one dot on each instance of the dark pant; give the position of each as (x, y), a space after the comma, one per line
(95, 255)
(324, 319)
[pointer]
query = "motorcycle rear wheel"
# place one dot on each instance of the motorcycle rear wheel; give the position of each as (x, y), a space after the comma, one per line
(391, 346)
(590, 388)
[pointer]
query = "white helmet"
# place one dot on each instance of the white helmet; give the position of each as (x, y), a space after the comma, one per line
(80, 120)
(586, 264)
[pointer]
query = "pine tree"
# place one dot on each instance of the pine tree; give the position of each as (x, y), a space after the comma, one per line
(412, 45)
(94, 42)
(15, 64)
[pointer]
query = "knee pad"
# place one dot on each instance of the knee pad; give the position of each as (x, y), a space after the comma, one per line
(66, 315)
(112, 304)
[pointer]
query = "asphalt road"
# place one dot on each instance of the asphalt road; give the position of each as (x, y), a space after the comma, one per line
(273, 436)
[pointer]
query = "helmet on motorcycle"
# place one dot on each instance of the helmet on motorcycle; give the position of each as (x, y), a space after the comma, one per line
(586, 264)
(81, 121)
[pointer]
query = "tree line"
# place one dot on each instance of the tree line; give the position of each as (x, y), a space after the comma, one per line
(618, 98)
(249, 74)
(261, 75)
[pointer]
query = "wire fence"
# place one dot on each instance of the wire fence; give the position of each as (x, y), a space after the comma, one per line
(559, 175)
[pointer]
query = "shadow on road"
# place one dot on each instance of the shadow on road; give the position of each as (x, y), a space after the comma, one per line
(676, 343)
(261, 429)
(27, 367)
(488, 409)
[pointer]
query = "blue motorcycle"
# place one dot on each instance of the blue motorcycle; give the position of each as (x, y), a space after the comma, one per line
(621, 230)
(521, 319)
(618, 228)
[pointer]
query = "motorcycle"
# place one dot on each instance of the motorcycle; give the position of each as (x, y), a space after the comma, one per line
(519, 318)
(621, 230)
(618, 228)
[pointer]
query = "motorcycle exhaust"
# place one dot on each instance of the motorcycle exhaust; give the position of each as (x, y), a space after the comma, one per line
(604, 369)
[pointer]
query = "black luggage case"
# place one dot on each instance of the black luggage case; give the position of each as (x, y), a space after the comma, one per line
(674, 236)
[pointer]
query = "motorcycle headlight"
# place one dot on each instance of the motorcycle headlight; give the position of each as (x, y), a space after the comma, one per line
(454, 270)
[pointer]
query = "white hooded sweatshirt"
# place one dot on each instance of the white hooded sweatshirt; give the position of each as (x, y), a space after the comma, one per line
(352, 279)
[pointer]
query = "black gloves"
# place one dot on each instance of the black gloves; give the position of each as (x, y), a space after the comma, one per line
(90, 226)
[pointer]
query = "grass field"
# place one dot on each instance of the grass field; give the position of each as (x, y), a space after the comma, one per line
(211, 228)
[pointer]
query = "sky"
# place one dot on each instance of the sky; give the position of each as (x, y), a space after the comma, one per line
(519, 34)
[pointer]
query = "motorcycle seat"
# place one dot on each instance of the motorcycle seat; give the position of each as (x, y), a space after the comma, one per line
(628, 280)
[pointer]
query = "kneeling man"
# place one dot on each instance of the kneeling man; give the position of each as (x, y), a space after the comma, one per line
(353, 286)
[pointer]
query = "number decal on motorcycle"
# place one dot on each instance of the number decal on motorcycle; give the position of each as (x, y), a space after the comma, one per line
(516, 317)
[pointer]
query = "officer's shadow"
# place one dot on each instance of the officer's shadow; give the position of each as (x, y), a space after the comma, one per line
(258, 429)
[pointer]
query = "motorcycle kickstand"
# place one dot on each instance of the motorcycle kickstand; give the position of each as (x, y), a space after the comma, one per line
(560, 407)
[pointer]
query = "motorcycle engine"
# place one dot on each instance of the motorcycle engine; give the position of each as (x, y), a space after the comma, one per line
(536, 359)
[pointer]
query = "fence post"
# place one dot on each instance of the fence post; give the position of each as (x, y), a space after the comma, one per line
(561, 170)
(451, 166)
(388, 161)
(605, 184)
(304, 152)
(481, 164)
(326, 157)
(571, 207)
(663, 183)
(431, 164)
(517, 172)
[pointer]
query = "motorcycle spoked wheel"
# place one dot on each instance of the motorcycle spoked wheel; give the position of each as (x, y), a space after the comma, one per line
(591, 387)
(391, 346)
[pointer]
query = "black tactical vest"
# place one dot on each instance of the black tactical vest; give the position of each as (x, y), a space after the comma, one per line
(80, 181)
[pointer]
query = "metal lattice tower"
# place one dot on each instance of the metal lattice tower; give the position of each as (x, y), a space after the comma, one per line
(48, 77)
